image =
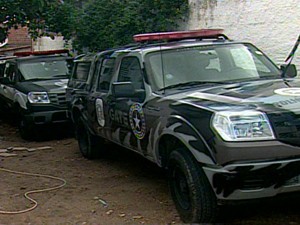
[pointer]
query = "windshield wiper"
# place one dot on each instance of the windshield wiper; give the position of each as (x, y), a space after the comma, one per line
(191, 83)
(60, 75)
(36, 79)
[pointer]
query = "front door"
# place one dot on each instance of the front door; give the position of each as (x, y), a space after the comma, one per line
(126, 113)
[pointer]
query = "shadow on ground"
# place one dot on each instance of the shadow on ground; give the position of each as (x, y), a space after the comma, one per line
(41, 132)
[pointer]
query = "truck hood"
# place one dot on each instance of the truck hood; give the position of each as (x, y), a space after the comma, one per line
(49, 86)
(264, 95)
(278, 98)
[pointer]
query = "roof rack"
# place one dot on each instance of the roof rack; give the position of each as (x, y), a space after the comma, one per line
(181, 35)
(49, 52)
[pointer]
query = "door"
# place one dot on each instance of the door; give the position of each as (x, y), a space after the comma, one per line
(128, 125)
(97, 113)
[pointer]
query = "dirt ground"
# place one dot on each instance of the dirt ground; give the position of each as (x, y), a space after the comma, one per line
(121, 188)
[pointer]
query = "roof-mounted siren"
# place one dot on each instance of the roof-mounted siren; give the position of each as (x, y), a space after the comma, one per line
(49, 52)
(181, 35)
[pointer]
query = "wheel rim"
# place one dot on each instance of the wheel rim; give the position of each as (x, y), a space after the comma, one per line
(181, 188)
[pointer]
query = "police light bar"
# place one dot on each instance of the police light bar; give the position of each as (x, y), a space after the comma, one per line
(179, 35)
(49, 52)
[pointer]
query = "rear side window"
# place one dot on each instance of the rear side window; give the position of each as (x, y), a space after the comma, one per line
(81, 71)
(106, 73)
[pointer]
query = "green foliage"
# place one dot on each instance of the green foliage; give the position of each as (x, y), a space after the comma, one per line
(110, 23)
(42, 17)
(94, 24)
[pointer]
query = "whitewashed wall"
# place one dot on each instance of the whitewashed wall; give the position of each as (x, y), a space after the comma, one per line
(271, 25)
(46, 43)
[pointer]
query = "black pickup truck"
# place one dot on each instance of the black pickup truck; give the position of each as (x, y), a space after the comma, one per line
(33, 88)
(217, 114)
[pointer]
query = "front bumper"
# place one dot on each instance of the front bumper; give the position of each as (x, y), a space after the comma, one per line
(47, 117)
(254, 180)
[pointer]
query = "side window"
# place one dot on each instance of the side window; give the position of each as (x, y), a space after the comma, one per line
(130, 70)
(2, 67)
(106, 73)
(81, 71)
(93, 79)
(10, 72)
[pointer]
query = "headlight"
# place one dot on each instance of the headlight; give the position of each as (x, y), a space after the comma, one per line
(38, 97)
(242, 126)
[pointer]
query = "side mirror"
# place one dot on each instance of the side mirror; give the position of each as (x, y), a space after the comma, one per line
(127, 90)
(5, 80)
(123, 89)
(289, 70)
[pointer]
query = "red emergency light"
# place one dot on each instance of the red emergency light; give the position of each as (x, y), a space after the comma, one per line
(178, 35)
(49, 52)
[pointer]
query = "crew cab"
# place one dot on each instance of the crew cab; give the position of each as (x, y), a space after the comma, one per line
(33, 88)
(218, 114)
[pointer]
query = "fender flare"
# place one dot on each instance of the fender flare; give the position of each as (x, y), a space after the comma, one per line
(203, 154)
(21, 99)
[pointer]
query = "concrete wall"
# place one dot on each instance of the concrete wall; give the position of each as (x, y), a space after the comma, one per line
(271, 25)
(19, 40)
(46, 43)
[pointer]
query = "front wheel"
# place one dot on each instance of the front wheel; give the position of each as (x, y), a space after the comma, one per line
(26, 128)
(89, 144)
(193, 196)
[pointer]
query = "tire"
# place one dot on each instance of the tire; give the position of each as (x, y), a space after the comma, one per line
(89, 144)
(25, 128)
(191, 192)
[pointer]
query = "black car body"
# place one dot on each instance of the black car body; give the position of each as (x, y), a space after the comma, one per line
(34, 89)
(216, 113)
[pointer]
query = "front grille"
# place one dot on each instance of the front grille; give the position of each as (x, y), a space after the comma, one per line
(252, 183)
(58, 99)
(286, 127)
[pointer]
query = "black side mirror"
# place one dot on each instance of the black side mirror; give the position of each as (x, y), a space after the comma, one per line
(5, 80)
(127, 90)
(288, 70)
(123, 89)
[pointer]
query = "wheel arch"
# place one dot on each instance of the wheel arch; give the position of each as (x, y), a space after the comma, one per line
(75, 114)
(173, 137)
(21, 100)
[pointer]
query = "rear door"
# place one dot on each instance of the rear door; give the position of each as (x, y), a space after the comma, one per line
(97, 112)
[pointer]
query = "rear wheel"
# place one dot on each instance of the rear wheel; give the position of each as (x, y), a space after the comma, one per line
(190, 189)
(89, 144)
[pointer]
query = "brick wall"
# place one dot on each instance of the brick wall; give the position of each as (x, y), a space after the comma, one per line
(18, 40)
(19, 37)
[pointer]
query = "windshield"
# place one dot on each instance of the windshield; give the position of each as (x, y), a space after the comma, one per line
(215, 63)
(44, 69)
